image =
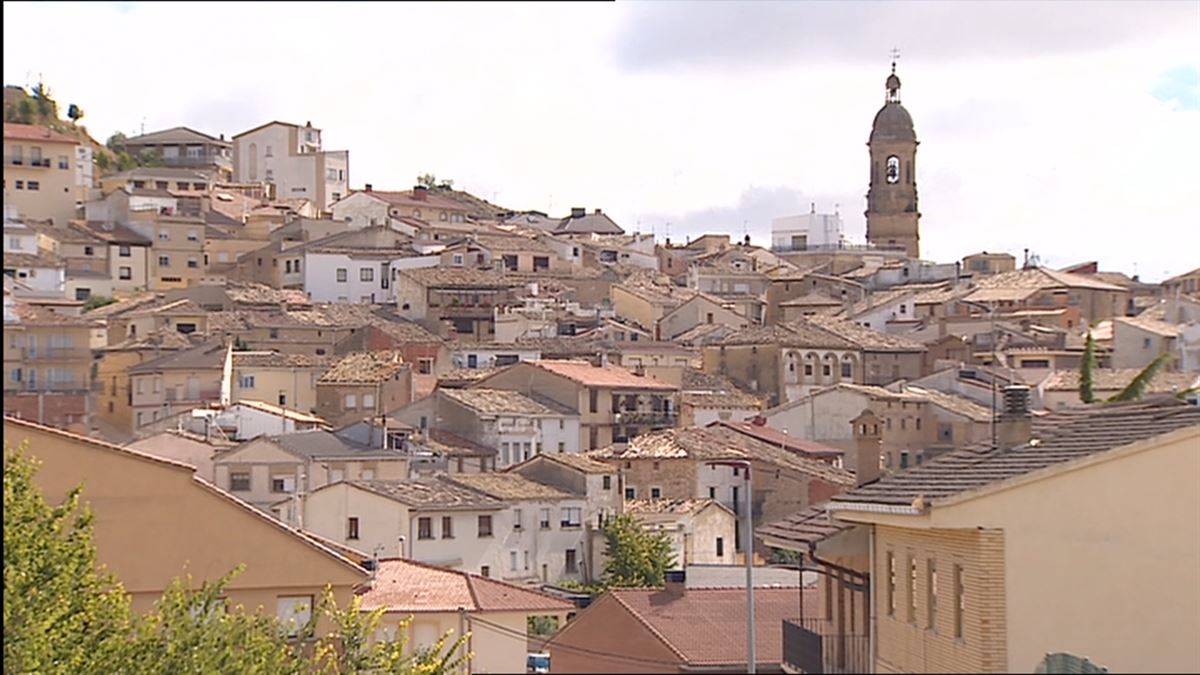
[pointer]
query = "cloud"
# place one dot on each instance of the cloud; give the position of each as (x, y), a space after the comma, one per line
(1180, 86)
(752, 214)
(760, 34)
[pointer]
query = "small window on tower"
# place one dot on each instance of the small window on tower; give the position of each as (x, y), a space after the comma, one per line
(893, 169)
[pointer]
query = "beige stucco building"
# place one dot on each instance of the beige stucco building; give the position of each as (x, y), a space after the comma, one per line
(155, 520)
(987, 562)
(39, 172)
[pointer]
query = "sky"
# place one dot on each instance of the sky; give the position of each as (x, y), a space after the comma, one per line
(1068, 128)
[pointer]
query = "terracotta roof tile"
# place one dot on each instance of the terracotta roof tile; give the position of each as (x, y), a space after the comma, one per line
(362, 367)
(1062, 437)
(508, 486)
(499, 402)
(459, 277)
(573, 460)
(809, 526)
(1116, 379)
(707, 626)
(33, 132)
(666, 506)
(410, 587)
(609, 377)
(433, 493)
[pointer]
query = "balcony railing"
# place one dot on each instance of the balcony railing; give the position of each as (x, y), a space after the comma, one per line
(61, 387)
(815, 646)
(44, 162)
(655, 417)
(201, 395)
(55, 354)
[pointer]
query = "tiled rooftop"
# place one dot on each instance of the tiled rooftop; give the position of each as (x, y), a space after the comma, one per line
(1116, 379)
(666, 506)
(433, 493)
(809, 526)
(718, 443)
(361, 367)
(497, 401)
(278, 360)
(410, 587)
(459, 277)
(1063, 437)
(508, 486)
(608, 377)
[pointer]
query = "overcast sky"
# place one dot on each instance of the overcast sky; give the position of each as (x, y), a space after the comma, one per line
(1069, 128)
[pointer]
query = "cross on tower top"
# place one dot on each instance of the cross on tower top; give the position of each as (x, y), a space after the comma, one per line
(895, 55)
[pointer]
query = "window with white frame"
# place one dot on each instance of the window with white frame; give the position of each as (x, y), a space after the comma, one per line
(572, 516)
(341, 275)
(246, 382)
(294, 612)
(368, 401)
(351, 401)
(366, 274)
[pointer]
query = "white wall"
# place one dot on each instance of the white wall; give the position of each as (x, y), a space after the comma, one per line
(361, 210)
(320, 278)
(821, 229)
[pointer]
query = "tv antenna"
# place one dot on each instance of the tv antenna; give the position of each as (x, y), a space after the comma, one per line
(895, 57)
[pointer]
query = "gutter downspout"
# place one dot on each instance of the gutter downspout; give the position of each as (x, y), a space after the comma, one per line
(872, 639)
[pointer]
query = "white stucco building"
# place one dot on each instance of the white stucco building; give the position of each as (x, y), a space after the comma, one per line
(809, 230)
(290, 157)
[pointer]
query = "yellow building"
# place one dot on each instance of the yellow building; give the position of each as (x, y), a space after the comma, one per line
(288, 380)
(39, 172)
(155, 520)
(1084, 540)
(983, 263)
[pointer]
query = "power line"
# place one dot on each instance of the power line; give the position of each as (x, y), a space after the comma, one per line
(509, 632)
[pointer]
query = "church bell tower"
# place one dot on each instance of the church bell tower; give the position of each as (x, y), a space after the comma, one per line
(892, 215)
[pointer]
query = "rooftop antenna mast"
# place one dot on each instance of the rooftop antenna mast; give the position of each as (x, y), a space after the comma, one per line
(895, 57)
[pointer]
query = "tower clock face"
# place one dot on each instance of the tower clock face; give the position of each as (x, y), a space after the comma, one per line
(893, 169)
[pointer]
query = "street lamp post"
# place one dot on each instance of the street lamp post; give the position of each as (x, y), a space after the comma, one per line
(748, 549)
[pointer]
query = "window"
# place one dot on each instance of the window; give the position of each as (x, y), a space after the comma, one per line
(352, 528)
(607, 482)
(283, 484)
(82, 293)
(512, 561)
(903, 459)
(164, 261)
(912, 589)
(562, 447)
(367, 474)
(630, 493)
(89, 250)
(123, 250)
(847, 369)
(572, 516)
(193, 235)
(504, 453)
(593, 400)
(164, 235)
(721, 547)
(341, 275)
(891, 584)
(368, 401)
(246, 382)
(424, 528)
(544, 519)
(485, 526)
(447, 527)
(33, 185)
(20, 184)
(239, 482)
(294, 612)
(351, 402)
(572, 561)
(655, 493)
(960, 600)
(516, 519)
(193, 263)
(931, 593)
(826, 370)
(485, 571)
(712, 493)
(366, 274)
(1145, 341)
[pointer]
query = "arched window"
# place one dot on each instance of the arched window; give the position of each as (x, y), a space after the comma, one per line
(893, 169)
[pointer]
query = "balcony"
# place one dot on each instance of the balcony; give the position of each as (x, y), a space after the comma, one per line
(43, 162)
(212, 394)
(659, 418)
(815, 646)
(56, 354)
(60, 387)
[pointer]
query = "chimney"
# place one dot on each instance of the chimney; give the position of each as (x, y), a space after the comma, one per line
(597, 211)
(222, 137)
(419, 192)
(578, 212)
(400, 547)
(1015, 426)
(675, 582)
(367, 188)
(867, 445)
(758, 421)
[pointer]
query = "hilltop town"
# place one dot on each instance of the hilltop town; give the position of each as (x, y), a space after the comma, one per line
(452, 410)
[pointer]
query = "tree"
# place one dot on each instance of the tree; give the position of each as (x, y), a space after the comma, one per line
(1086, 366)
(116, 142)
(636, 557)
(1137, 386)
(97, 301)
(44, 103)
(63, 615)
